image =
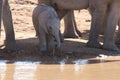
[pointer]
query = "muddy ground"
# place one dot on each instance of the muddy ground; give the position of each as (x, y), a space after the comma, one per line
(26, 40)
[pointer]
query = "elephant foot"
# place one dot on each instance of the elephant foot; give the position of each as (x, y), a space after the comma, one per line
(110, 47)
(68, 35)
(93, 44)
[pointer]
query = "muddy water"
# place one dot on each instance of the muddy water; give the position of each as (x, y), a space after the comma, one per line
(105, 68)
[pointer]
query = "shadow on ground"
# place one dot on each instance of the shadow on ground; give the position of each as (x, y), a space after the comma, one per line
(71, 49)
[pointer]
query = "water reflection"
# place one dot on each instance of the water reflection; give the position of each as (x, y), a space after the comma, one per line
(79, 65)
(25, 68)
(81, 69)
(62, 64)
(2, 69)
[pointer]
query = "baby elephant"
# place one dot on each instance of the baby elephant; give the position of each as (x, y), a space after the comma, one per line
(47, 26)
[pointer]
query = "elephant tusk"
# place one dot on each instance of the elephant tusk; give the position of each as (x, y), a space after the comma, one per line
(1, 3)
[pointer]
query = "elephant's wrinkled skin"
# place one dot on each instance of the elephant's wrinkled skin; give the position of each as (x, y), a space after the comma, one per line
(112, 21)
(47, 25)
(10, 43)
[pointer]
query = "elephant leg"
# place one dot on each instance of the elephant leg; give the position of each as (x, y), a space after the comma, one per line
(10, 42)
(112, 21)
(98, 14)
(69, 31)
(103, 27)
(102, 30)
(42, 41)
(1, 2)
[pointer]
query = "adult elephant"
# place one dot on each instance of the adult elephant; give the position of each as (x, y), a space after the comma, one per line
(6, 15)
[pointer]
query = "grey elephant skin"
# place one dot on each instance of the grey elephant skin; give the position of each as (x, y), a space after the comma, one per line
(47, 26)
(112, 22)
(6, 15)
